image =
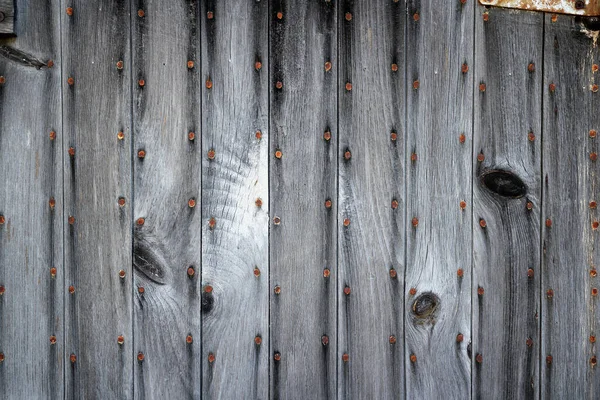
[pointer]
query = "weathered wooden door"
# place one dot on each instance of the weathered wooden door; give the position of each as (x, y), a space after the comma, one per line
(308, 199)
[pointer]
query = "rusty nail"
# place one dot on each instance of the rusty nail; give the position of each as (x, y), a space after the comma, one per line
(212, 222)
(258, 202)
(413, 157)
(348, 16)
(210, 15)
(141, 290)
(416, 84)
(71, 220)
(258, 135)
(52, 202)
(529, 206)
(208, 289)
(548, 360)
(278, 154)
(1, 357)
(257, 340)
(73, 358)
(416, 16)
(393, 273)
(328, 66)
(595, 225)
(119, 64)
(529, 342)
(121, 201)
(53, 272)
(347, 155)
(71, 289)
(71, 151)
(465, 68)
(256, 272)
(593, 361)
(531, 136)
(592, 204)
(69, 11)
(459, 338)
(327, 135)
(594, 67)
(392, 339)
(2, 80)
(460, 272)
(189, 339)
(328, 203)
(594, 292)
(140, 356)
(413, 358)
(593, 133)
(276, 220)
(482, 87)
(479, 358)
(531, 67)
(279, 15)
(463, 204)
(412, 291)
(277, 356)
(120, 135)
(550, 293)
(120, 340)
(324, 340)
(530, 273)
(257, 65)
(594, 88)
(554, 18)
(191, 271)
(461, 138)
(122, 274)
(486, 16)
(463, 2)
(394, 204)
(326, 273)
(191, 136)
(394, 67)
(141, 83)
(345, 357)
(482, 223)
(211, 154)
(552, 87)
(277, 290)
(141, 13)
(52, 339)
(480, 291)
(2, 290)
(393, 136)
(209, 84)
(415, 222)
(346, 222)
(279, 85)
(347, 290)
(141, 154)
(593, 156)
(348, 86)
(480, 157)
(548, 223)
(593, 272)
(190, 64)
(192, 203)
(52, 135)
(592, 339)
(141, 221)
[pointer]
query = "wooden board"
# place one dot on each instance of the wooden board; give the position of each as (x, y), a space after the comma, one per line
(31, 208)
(7, 17)
(167, 215)
(97, 173)
(303, 246)
(570, 183)
(506, 202)
(235, 195)
(372, 199)
(438, 218)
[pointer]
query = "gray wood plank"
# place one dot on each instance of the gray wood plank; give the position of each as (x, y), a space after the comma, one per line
(235, 195)
(167, 216)
(372, 199)
(7, 17)
(570, 314)
(97, 173)
(303, 173)
(31, 260)
(437, 289)
(506, 203)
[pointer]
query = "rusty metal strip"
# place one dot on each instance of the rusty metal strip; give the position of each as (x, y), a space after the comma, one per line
(589, 8)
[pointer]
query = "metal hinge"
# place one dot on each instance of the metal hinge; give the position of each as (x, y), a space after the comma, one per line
(583, 8)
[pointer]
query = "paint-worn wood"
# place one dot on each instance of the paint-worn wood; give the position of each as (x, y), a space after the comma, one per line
(235, 196)
(31, 238)
(438, 219)
(570, 315)
(7, 16)
(167, 216)
(303, 172)
(97, 173)
(506, 203)
(372, 199)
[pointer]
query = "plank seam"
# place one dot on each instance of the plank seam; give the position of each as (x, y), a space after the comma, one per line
(541, 213)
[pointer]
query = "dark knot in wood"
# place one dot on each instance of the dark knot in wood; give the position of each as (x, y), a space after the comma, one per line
(503, 183)
(425, 306)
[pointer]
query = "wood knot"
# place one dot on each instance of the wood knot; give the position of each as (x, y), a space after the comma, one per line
(425, 306)
(504, 183)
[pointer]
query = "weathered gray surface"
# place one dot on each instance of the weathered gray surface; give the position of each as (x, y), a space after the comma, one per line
(507, 198)
(97, 245)
(370, 229)
(570, 183)
(439, 111)
(165, 109)
(31, 239)
(235, 193)
(7, 16)
(303, 244)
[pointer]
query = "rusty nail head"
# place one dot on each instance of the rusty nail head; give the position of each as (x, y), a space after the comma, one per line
(69, 11)
(2, 290)
(49, 63)
(482, 223)
(531, 136)
(394, 67)
(52, 135)
(552, 87)
(122, 274)
(459, 338)
(258, 202)
(480, 157)
(141, 221)
(347, 155)
(258, 135)
(52, 339)
(276, 220)
(192, 203)
(394, 204)
(191, 136)
(345, 357)
(415, 222)
(53, 272)
(257, 65)
(71, 220)
(277, 356)
(529, 206)
(71, 151)
(550, 293)
(71, 289)
(348, 16)
(189, 339)
(531, 67)
(595, 225)
(211, 154)
(73, 358)
(479, 358)
(594, 88)
(348, 86)
(191, 271)
(277, 289)
(141, 290)
(120, 135)
(140, 356)
(461, 138)
(324, 340)
(548, 360)
(119, 64)
(412, 291)
(593, 133)
(327, 135)
(392, 339)
(413, 358)
(279, 15)
(548, 223)
(416, 84)
(209, 84)
(328, 66)
(278, 154)
(592, 339)
(482, 87)
(190, 64)
(480, 291)
(328, 203)
(594, 292)
(279, 85)
(326, 273)
(595, 68)
(530, 273)
(347, 290)
(593, 272)
(257, 340)
(210, 15)
(593, 361)
(52, 202)
(121, 201)
(208, 289)
(141, 13)
(393, 136)
(346, 222)
(141, 154)
(592, 204)
(465, 68)
(256, 272)
(463, 204)
(141, 83)
(593, 156)
(486, 16)
(120, 340)
(393, 273)
(460, 272)
(413, 157)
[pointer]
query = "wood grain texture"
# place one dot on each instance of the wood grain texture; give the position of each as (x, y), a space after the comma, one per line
(97, 172)
(507, 196)
(167, 244)
(31, 299)
(7, 17)
(372, 199)
(303, 236)
(235, 194)
(570, 184)
(439, 110)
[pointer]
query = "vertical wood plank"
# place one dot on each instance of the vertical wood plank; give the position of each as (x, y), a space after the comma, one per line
(166, 189)
(235, 200)
(438, 219)
(372, 199)
(31, 238)
(303, 196)
(506, 202)
(570, 314)
(97, 229)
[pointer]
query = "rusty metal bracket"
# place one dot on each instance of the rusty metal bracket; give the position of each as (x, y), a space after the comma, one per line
(583, 8)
